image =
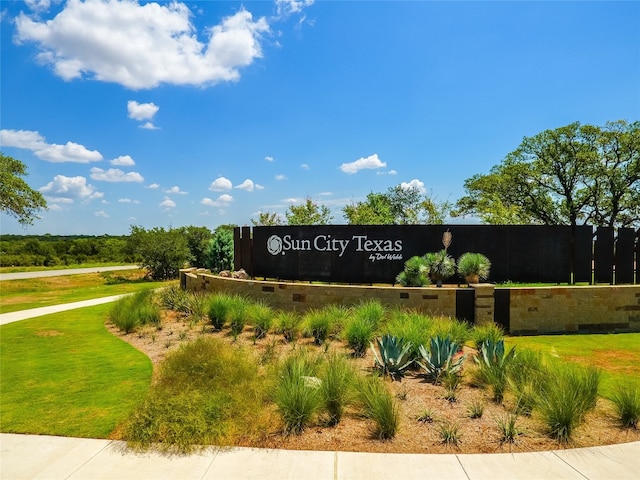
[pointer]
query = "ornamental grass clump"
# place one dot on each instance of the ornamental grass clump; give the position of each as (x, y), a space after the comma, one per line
(288, 324)
(337, 387)
(493, 364)
(412, 327)
(135, 310)
(626, 400)
(317, 324)
(379, 405)
(219, 307)
(261, 316)
(486, 332)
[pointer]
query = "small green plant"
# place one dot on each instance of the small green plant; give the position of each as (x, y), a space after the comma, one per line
(371, 311)
(380, 406)
(317, 324)
(626, 400)
(473, 267)
(451, 382)
(415, 273)
(507, 427)
(410, 326)
(338, 317)
(426, 416)
(260, 315)
(358, 333)
(219, 306)
(449, 433)
(298, 399)
(486, 332)
(526, 374)
(440, 359)
(440, 266)
(391, 355)
(475, 409)
(447, 327)
(337, 386)
(197, 306)
(567, 397)
(135, 310)
(288, 324)
(237, 316)
(493, 364)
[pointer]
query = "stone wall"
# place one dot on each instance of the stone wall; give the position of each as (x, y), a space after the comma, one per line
(575, 309)
(531, 311)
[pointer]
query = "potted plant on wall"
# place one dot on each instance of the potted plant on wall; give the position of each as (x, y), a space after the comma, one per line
(440, 266)
(474, 267)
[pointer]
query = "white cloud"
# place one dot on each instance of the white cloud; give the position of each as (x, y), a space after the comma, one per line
(101, 213)
(142, 46)
(281, 176)
(142, 111)
(371, 162)
(38, 5)
(30, 140)
(68, 189)
(123, 161)
(149, 126)
(221, 184)
(115, 175)
(392, 172)
(286, 7)
(292, 200)
(128, 200)
(414, 184)
(153, 186)
(175, 191)
(247, 185)
(54, 207)
(268, 158)
(304, 166)
(222, 201)
(167, 203)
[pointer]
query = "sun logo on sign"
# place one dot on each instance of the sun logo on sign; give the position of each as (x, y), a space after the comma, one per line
(274, 245)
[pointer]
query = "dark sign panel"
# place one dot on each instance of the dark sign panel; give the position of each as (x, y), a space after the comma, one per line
(376, 253)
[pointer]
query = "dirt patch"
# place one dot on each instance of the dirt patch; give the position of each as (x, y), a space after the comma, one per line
(415, 398)
(49, 333)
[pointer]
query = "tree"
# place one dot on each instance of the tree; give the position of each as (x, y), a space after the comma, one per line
(198, 241)
(570, 175)
(267, 219)
(309, 213)
(220, 251)
(17, 198)
(400, 205)
(162, 252)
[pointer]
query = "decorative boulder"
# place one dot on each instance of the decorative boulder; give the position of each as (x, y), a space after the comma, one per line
(225, 273)
(241, 274)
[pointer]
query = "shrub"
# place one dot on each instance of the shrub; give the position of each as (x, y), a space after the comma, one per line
(489, 331)
(493, 364)
(473, 265)
(440, 266)
(392, 355)
(260, 315)
(438, 360)
(380, 406)
(566, 398)
(317, 324)
(337, 386)
(411, 327)
(358, 333)
(135, 310)
(447, 327)
(219, 307)
(626, 400)
(415, 273)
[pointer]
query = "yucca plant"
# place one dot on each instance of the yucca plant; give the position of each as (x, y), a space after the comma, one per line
(392, 355)
(473, 267)
(493, 364)
(415, 273)
(441, 358)
(440, 266)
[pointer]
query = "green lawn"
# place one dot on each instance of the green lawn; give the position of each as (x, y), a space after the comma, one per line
(65, 374)
(42, 292)
(58, 267)
(618, 355)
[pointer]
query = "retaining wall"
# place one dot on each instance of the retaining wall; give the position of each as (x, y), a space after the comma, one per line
(521, 311)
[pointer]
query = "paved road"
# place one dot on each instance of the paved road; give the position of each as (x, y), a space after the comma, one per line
(57, 273)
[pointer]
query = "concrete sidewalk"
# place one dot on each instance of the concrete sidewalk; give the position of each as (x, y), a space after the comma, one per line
(51, 458)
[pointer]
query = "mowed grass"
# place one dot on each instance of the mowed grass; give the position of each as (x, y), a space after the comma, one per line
(42, 292)
(59, 267)
(65, 374)
(618, 355)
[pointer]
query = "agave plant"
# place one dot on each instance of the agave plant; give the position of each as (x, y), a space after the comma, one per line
(493, 365)
(442, 358)
(392, 356)
(440, 266)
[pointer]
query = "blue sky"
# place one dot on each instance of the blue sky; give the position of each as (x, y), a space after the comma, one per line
(206, 113)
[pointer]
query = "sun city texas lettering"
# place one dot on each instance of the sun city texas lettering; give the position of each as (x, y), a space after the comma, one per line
(377, 249)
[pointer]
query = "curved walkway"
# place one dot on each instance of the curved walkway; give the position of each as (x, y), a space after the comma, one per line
(52, 458)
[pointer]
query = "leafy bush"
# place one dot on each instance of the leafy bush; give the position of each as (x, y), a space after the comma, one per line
(415, 273)
(440, 358)
(567, 397)
(392, 355)
(380, 406)
(626, 400)
(473, 264)
(162, 252)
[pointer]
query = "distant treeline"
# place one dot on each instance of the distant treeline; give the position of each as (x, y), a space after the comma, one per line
(52, 250)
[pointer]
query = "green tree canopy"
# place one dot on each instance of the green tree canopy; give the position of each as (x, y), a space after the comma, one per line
(400, 205)
(17, 198)
(267, 219)
(220, 251)
(309, 213)
(573, 174)
(161, 252)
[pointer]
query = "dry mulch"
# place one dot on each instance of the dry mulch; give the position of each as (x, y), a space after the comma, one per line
(414, 396)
